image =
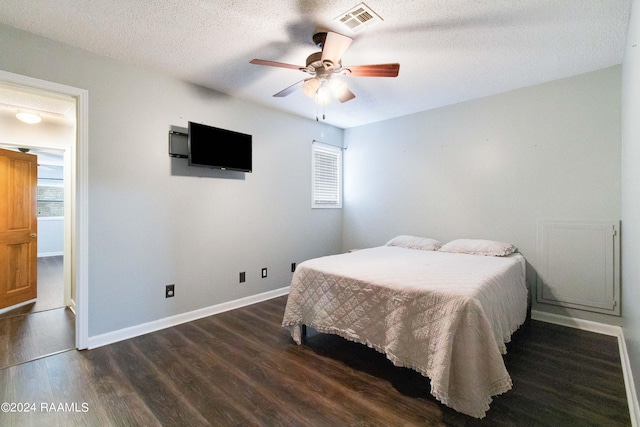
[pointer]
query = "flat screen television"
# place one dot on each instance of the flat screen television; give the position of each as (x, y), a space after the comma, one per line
(219, 148)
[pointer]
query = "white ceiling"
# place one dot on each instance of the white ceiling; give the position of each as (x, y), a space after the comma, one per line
(449, 50)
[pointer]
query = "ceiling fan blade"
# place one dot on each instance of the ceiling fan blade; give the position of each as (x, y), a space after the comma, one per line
(347, 96)
(334, 47)
(377, 70)
(275, 64)
(290, 89)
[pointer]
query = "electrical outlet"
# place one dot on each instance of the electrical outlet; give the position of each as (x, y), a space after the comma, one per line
(169, 291)
(243, 277)
(293, 267)
(264, 272)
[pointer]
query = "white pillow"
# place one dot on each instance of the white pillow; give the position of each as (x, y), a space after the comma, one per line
(413, 242)
(478, 247)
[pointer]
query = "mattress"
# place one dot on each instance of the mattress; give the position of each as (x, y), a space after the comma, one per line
(447, 316)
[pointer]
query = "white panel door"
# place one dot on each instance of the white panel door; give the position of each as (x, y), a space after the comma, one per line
(578, 265)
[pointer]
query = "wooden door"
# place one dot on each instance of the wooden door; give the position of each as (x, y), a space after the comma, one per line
(18, 227)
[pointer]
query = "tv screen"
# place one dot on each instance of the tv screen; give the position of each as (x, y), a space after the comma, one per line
(219, 148)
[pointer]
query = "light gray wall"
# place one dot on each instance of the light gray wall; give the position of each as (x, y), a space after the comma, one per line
(153, 220)
(50, 236)
(631, 192)
(490, 168)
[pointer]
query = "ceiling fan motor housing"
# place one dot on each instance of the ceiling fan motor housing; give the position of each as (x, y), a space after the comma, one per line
(319, 38)
(316, 66)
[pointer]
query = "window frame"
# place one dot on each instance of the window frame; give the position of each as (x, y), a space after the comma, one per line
(325, 202)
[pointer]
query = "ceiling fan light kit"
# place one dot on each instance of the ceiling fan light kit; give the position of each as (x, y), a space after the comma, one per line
(310, 87)
(338, 87)
(323, 95)
(323, 66)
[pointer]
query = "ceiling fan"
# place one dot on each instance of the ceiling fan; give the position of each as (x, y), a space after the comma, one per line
(323, 66)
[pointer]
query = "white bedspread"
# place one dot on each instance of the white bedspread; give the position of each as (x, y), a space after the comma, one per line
(448, 316)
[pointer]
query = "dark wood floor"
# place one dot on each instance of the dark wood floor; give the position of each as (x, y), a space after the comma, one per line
(30, 336)
(41, 328)
(241, 368)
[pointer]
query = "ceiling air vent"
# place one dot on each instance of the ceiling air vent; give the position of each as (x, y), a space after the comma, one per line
(359, 18)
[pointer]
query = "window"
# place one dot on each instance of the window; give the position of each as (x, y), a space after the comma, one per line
(50, 201)
(326, 170)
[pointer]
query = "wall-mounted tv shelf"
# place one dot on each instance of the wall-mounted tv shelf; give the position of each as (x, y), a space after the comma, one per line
(178, 144)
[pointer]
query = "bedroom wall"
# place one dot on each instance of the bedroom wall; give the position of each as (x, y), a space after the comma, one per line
(631, 193)
(153, 220)
(490, 168)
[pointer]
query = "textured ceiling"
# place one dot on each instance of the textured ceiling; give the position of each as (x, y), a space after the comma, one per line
(449, 50)
(52, 108)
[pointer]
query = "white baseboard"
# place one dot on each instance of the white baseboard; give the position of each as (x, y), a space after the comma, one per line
(46, 254)
(601, 328)
(585, 325)
(167, 322)
(632, 397)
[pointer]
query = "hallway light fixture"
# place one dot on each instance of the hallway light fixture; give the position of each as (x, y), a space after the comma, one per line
(30, 118)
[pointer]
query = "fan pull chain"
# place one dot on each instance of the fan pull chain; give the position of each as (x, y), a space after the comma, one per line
(324, 106)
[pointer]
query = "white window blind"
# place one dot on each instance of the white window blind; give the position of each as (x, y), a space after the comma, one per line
(326, 172)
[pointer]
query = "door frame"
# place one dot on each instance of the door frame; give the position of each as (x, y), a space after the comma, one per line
(76, 159)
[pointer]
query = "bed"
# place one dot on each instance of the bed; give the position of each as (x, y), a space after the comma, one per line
(446, 313)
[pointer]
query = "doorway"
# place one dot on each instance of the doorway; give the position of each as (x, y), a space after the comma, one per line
(37, 318)
(74, 158)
